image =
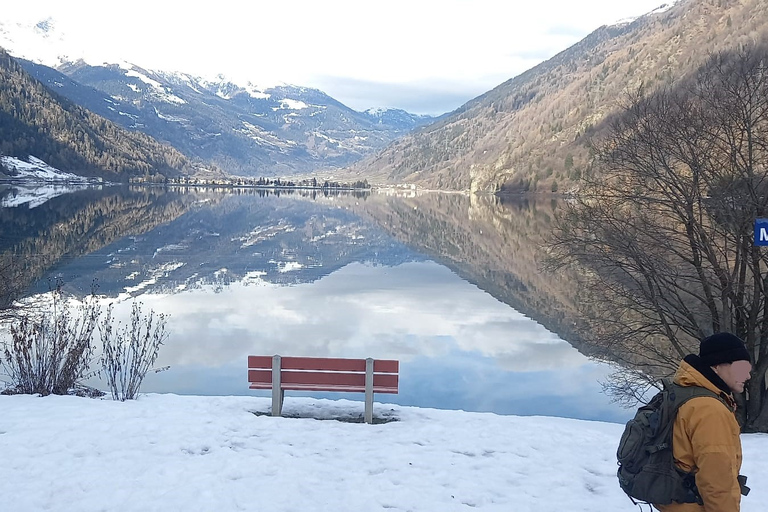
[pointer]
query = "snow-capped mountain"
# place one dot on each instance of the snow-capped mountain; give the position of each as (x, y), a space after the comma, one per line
(242, 128)
(399, 118)
(40, 41)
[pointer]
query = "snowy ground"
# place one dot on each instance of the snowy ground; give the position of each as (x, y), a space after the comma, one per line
(34, 182)
(169, 452)
(36, 170)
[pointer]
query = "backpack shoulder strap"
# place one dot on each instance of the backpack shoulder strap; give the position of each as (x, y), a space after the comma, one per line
(678, 395)
(673, 397)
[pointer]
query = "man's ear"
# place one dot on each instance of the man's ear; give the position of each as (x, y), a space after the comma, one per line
(717, 367)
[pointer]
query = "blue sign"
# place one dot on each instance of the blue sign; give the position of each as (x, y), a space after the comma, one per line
(761, 231)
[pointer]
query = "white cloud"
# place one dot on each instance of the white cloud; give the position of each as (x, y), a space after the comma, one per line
(412, 310)
(477, 44)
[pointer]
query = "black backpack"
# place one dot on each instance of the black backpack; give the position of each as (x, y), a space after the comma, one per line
(647, 472)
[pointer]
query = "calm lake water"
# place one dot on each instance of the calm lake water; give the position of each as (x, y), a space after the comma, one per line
(446, 284)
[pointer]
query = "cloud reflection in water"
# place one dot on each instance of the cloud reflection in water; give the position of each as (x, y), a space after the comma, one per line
(459, 347)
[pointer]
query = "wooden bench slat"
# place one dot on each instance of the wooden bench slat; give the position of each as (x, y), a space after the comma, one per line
(310, 387)
(260, 362)
(322, 364)
(260, 377)
(321, 379)
(325, 364)
(386, 366)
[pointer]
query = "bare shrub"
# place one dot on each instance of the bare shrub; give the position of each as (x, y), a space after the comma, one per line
(10, 286)
(50, 349)
(130, 350)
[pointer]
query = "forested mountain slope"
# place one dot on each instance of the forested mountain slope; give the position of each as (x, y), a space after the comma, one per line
(531, 133)
(35, 121)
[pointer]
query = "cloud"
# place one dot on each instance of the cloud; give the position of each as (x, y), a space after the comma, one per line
(429, 56)
(404, 312)
(458, 346)
(434, 98)
(569, 31)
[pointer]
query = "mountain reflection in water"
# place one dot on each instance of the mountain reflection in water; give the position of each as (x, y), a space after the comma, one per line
(436, 281)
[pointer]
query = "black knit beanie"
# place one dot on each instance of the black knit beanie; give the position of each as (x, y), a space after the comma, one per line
(722, 347)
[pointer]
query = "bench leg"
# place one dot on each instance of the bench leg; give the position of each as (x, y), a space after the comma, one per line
(278, 394)
(369, 390)
(277, 402)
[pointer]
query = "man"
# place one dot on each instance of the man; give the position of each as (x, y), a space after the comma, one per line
(705, 438)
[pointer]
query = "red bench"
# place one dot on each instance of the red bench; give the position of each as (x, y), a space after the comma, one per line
(323, 374)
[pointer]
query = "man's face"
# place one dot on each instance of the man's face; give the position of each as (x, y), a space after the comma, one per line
(734, 374)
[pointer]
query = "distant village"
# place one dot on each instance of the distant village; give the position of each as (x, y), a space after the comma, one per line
(312, 183)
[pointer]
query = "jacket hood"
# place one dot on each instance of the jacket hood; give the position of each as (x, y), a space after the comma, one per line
(693, 372)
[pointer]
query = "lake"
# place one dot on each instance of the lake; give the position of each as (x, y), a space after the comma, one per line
(448, 284)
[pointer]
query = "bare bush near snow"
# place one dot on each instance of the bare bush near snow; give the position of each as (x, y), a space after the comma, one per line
(50, 350)
(130, 350)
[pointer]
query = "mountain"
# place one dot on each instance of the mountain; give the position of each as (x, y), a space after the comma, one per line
(531, 133)
(496, 245)
(37, 240)
(240, 127)
(36, 122)
(398, 118)
(168, 239)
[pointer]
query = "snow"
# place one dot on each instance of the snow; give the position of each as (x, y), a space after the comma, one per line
(664, 7)
(33, 182)
(289, 266)
(253, 88)
(160, 91)
(167, 97)
(172, 119)
(290, 104)
(144, 78)
(35, 169)
(660, 9)
(264, 137)
(27, 41)
(326, 137)
(155, 275)
(168, 452)
(256, 92)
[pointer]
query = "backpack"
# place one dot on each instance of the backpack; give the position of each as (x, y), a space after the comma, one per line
(647, 471)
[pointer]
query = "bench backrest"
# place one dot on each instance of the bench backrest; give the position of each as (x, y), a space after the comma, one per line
(323, 374)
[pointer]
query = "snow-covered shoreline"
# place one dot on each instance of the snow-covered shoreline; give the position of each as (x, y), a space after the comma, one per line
(34, 182)
(168, 452)
(35, 170)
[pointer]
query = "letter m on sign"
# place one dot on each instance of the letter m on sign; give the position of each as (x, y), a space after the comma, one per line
(761, 231)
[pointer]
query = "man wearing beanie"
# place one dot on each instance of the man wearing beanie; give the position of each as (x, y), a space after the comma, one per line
(705, 437)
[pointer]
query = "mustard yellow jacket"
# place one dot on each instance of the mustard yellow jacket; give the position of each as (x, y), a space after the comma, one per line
(705, 440)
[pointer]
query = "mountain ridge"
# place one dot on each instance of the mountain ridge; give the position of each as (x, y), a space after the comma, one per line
(531, 133)
(242, 128)
(279, 131)
(35, 121)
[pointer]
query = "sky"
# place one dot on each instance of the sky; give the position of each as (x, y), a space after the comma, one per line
(166, 452)
(424, 56)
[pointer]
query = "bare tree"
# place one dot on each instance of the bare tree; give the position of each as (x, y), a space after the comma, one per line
(662, 234)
